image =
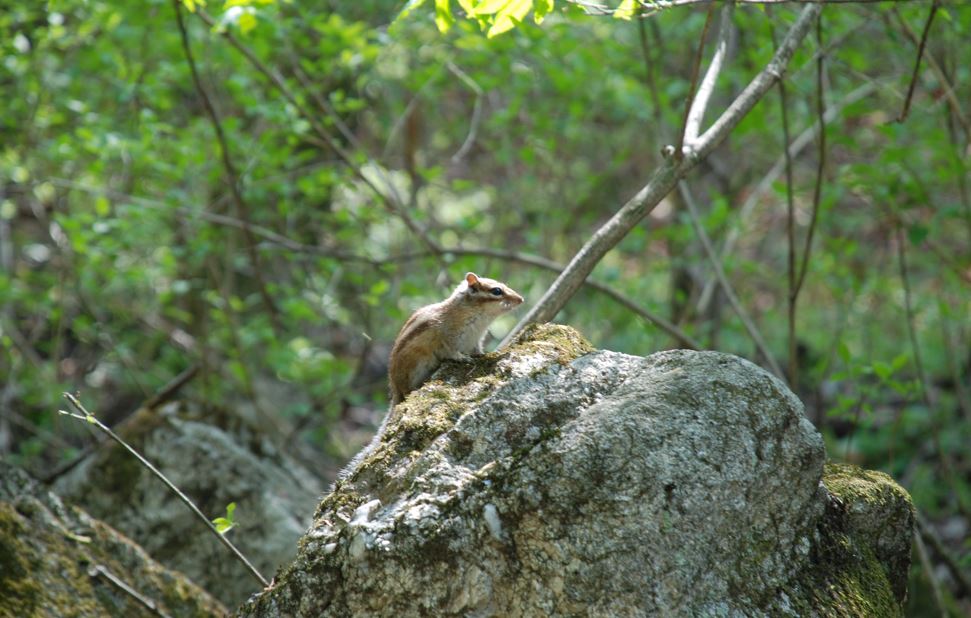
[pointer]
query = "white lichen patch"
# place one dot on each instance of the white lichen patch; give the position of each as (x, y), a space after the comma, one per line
(491, 516)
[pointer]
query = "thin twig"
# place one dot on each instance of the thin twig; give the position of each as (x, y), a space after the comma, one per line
(920, 54)
(700, 103)
(798, 275)
(388, 196)
(661, 182)
(649, 8)
(948, 466)
(928, 569)
(684, 339)
(945, 81)
(242, 210)
(84, 415)
(170, 390)
(696, 68)
(960, 577)
(744, 213)
(726, 286)
(650, 72)
(476, 111)
(821, 156)
(97, 570)
(793, 294)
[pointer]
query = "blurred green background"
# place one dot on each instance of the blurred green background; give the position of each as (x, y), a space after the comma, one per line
(125, 258)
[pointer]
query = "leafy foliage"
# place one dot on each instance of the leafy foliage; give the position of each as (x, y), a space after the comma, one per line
(123, 258)
(227, 523)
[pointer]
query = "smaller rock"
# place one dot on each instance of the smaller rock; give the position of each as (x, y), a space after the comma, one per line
(56, 560)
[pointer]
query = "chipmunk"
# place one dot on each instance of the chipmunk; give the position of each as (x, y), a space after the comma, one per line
(451, 329)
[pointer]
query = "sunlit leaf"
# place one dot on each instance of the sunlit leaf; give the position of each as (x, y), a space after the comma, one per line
(443, 15)
(246, 21)
(192, 4)
(542, 8)
(506, 19)
(626, 10)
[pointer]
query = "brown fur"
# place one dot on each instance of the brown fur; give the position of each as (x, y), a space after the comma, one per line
(451, 329)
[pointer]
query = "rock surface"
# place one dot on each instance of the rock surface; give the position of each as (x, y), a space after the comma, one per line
(274, 496)
(56, 560)
(555, 480)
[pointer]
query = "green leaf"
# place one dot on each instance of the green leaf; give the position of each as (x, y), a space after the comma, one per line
(626, 10)
(407, 10)
(443, 15)
(844, 352)
(917, 233)
(246, 21)
(506, 19)
(541, 9)
(882, 369)
(225, 524)
(490, 7)
(192, 4)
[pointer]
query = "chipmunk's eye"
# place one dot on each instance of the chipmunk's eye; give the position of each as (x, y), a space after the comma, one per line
(496, 291)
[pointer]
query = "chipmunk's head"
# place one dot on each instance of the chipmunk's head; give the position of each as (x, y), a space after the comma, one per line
(493, 296)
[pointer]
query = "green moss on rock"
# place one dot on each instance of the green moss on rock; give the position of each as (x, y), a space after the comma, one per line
(53, 557)
(861, 551)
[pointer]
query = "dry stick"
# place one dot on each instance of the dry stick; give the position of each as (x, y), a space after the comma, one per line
(84, 415)
(726, 286)
(205, 215)
(689, 106)
(392, 202)
(663, 180)
(649, 66)
(920, 54)
(821, 155)
(925, 563)
(476, 111)
(162, 396)
(292, 245)
(98, 570)
(946, 462)
(242, 210)
(666, 4)
(328, 110)
(803, 140)
(653, 7)
(960, 577)
(696, 112)
(626, 301)
(169, 391)
(790, 236)
(942, 77)
(951, 353)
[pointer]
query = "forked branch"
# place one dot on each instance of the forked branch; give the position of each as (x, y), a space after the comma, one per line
(663, 180)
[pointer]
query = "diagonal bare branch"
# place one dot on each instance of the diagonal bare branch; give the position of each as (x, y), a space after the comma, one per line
(920, 55)
(726, 286)
(700, 103)
(662, 181)
(802, 140)
(692, 94)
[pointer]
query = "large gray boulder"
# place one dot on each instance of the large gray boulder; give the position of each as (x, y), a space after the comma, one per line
(554, 480)
(57, 561)
(214, 466)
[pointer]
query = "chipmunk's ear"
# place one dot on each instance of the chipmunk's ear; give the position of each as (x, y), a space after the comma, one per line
(471, 279)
